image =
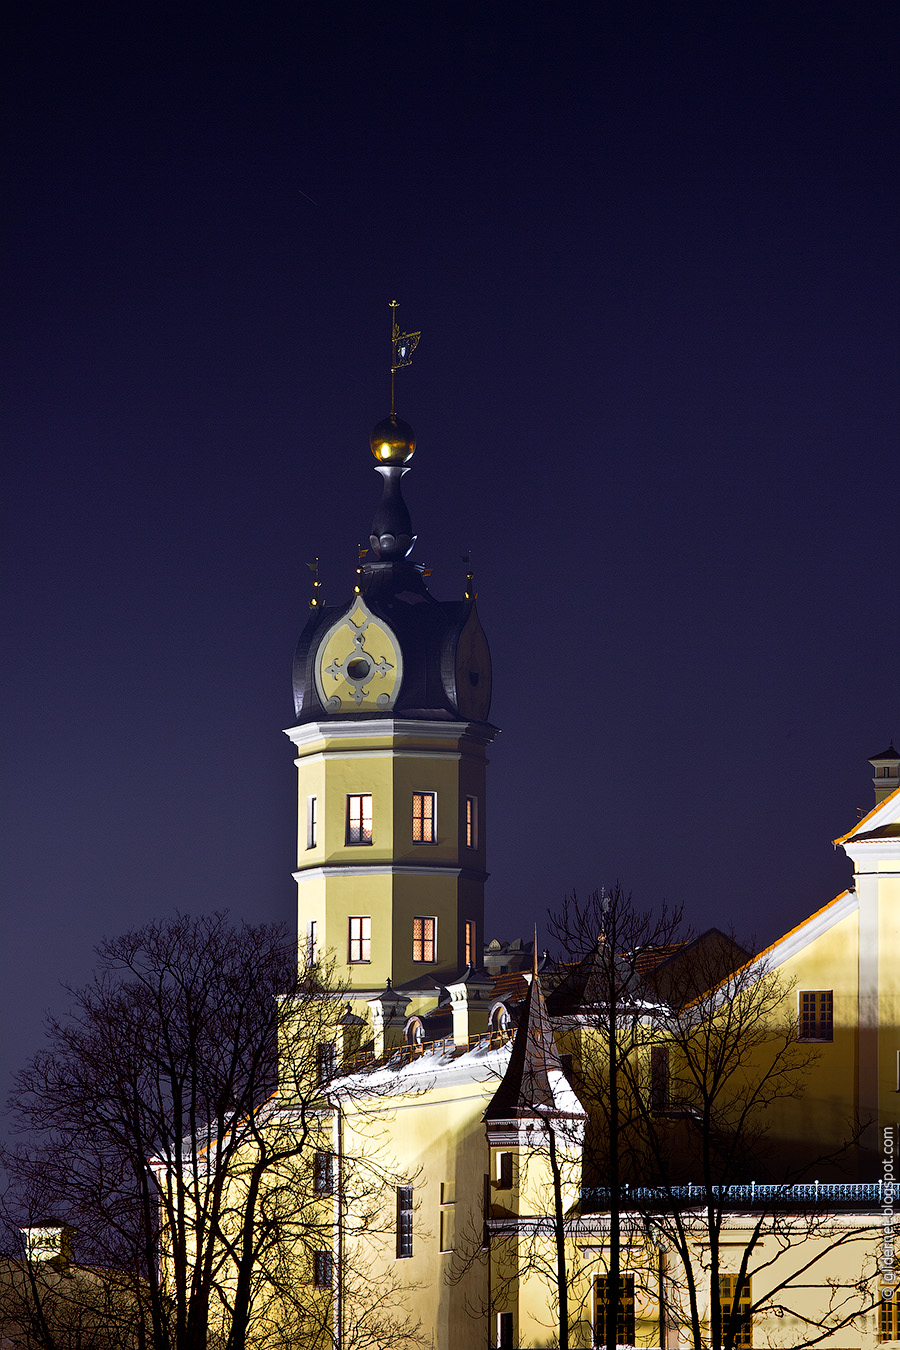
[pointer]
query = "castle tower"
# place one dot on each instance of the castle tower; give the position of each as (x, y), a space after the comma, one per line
(392, 694)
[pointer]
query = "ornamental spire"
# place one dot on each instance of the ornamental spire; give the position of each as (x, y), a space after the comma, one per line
(393, 444)
(402, 347)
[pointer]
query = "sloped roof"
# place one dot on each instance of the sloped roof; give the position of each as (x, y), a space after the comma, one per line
(526, 1090)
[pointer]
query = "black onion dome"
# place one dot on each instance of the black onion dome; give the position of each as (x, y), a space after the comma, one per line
(433, 637)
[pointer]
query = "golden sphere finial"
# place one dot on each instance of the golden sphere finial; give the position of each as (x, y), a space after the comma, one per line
(393, 441)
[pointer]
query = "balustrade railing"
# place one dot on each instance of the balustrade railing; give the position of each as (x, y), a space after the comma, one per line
(748, 1195)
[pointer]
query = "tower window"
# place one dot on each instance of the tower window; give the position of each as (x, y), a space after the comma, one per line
(504, 1331)
(312, 942)
(423, 818)
(624, 1311)
(816, 1015)
(889, 1320)
(734, 1309)
(470, 942)
(424, 939)
(323, 1269)
(311, 822)
(504, 1171)
(359, 939)
(404, 1221)
(471, 822)
(359, 818)
(323, 1173)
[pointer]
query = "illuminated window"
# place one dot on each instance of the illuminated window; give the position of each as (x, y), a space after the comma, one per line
(816, 1015)
(471, 822)
(735, 1312)
(323, 1173)
(359, 818)
(889, 1319)
(504, 1331)
(423, 831)
(423, 945)
(359, 939)
(659, 1078)
(311, 822)
(404, 1221)
(323, 1269)
(624, 1312)
(312, 942)
(470, 942)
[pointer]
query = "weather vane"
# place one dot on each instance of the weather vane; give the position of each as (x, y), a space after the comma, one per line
(402, 347)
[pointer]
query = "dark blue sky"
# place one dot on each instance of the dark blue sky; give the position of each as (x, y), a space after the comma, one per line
(652, 249)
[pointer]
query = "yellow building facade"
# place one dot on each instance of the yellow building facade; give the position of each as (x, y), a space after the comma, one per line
(462, 1092)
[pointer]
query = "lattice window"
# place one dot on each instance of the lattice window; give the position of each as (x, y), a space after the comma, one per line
(624, 1312)
(423, 818)
(889, 1319)
(323, 1173)
(359, 939)
(359, 818)
(470, 942)
(816, 1015)
(659, 1078)
(424, 935)
(326, 1062)
(735, 1313)
(404, 1221)
(323, 1270)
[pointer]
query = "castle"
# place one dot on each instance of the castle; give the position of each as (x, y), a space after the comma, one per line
(474, 1084)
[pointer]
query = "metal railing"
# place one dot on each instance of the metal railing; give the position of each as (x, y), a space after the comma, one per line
(749, 1195)
(399, 1055)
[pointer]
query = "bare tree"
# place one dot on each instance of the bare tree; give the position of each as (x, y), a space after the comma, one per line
(604, 942)
(180, 1120)
(727, 1055)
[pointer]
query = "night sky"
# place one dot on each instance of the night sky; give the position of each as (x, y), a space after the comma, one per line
(652, 249)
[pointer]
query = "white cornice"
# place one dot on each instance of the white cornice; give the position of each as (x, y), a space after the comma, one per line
(868, 850)
(320, 756)
(382, 869)
(397, 729)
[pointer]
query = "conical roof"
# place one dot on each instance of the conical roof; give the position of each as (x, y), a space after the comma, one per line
(525, 1090)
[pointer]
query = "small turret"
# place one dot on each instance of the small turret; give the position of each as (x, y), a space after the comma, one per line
(886, 768)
